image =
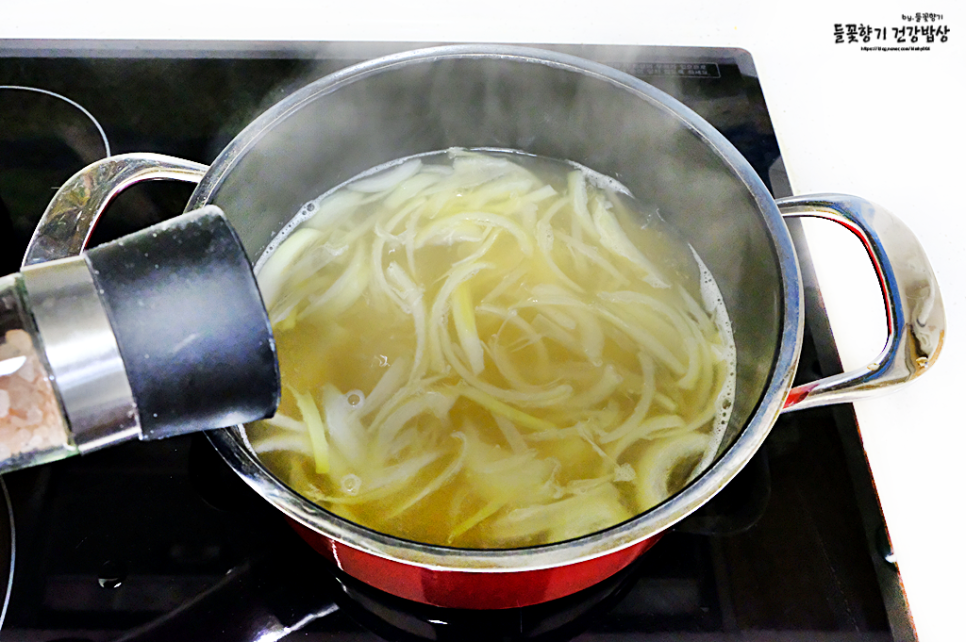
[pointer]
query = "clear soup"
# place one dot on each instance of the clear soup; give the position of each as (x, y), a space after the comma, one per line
(487, 349)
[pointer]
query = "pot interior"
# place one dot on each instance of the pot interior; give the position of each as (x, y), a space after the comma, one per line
(350, 122)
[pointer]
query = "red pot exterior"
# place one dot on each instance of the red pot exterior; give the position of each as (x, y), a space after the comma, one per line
(469, 589)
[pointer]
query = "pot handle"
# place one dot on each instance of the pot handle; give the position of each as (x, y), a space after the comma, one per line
(66, 226)
(914, 306)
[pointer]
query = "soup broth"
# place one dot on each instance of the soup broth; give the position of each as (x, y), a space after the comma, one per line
(487, 349)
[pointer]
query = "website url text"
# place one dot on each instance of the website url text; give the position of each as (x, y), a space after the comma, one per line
(895, 48)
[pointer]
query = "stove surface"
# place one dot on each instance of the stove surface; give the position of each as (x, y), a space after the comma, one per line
(153, 541)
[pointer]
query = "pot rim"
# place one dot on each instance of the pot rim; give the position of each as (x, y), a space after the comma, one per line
(232, 444)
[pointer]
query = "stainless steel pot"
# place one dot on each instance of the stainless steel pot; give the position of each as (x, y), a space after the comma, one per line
(558, 106)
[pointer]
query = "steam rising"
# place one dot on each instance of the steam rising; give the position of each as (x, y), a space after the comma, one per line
(329, 132)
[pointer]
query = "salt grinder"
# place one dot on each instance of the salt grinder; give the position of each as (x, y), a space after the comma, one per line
(159, 333)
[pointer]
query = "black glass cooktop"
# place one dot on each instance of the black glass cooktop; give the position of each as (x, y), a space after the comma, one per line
(159, 541)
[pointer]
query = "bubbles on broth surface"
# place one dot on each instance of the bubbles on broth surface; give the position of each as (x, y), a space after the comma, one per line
(489, 349)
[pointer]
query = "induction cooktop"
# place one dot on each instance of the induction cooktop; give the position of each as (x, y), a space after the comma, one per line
(160, 541)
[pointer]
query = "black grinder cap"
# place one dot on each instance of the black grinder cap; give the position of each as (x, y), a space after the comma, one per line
(190, 324)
